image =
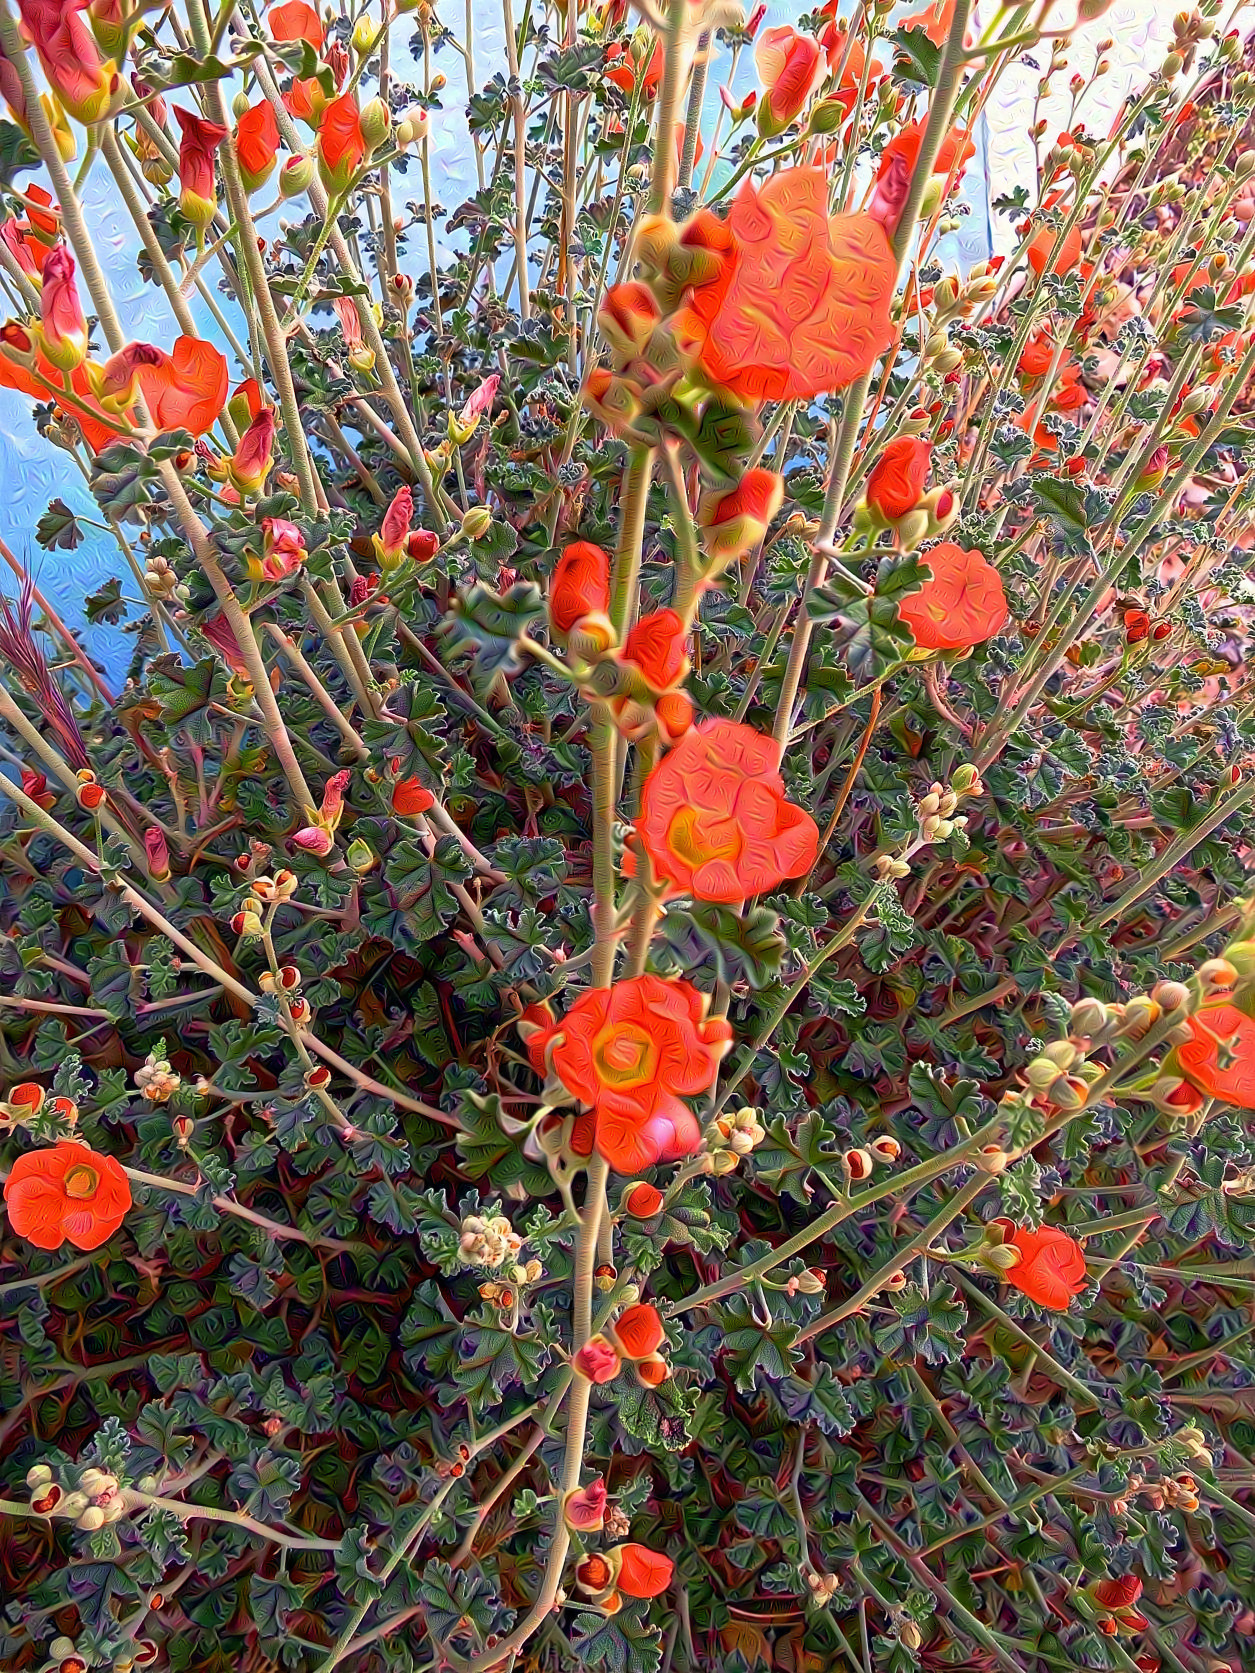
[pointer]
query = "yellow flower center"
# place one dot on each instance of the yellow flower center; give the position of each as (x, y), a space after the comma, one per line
(625, 1056)
(688, 842)
(81, 1183)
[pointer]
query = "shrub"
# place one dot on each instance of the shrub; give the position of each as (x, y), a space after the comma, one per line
(631, 1043)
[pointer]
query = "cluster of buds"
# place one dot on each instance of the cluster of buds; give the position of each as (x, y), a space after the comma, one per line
(156, 1080)
(822, 1587)
(488, 1243)
(455, 1466)
(287, 980)
(858, 1164)
(937, 817)
(729, 1137)
(97, 1500)
(1189, 31)
(91, 794)
(247, 922)
(262, 893)
(1171, 1492)
(637, 1335)
(1060, 1077)
(28, 1099)
(505, 1296)
(161, 579)
(897, 496)
(1115, 1600)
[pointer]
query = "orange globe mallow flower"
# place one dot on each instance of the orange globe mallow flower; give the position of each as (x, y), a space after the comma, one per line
(1220, 1059)
(1051, 1268)
(630, 1053)
(66, 1193)
(798, 301)
(634, 1570)
(714, 819)
(961, 605)
(580, 587)
(788, 67)
(899, 477)
(639, 1332)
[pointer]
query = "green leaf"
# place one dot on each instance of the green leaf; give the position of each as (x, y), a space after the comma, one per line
(926, 1327)
(488, 625)
(752, 1350)
(627, 1642)
(744, 947)
(105, 604)
(60, 530)
(489, 1152)
(916, 57)
(866, 625)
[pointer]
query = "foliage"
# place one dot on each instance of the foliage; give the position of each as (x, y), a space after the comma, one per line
(305, 929)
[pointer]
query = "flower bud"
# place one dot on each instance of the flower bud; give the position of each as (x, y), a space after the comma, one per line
(1088, 1018)
(296, 176)
(966, 781)
(476, 522)
(1170, 996)
(858, 1164)
(642, 1200)
(361, 856)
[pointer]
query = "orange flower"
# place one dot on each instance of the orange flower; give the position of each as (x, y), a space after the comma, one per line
(83, 82)
(955, 150)
(1231, 1076)
(788, 66)
(63, 326)
(897, 165)
(714, 819)
(627, 317)
(656, 650)
(643, 1201)
(622, 70)
(1051, 1268)
(641, 1572)
(630, 1052)
(250, 464)
(639, 1332)
(295, 20)
(580, 586)
(30, 238)
(1039, 351)
(899, 477)
(342, 147)
(733, 520)
(411, 796)
(799, 302)
(961, 605)
(257, 144)
(188, 389)
(1043, 255)
(197, 150)
(833, 40)
(934, 20)
(1117, 1591)
(66, 1192)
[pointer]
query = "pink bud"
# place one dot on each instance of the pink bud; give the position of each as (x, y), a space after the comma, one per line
(314, 840)
(158, 855)
(598, 1360)
(584, 1509)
